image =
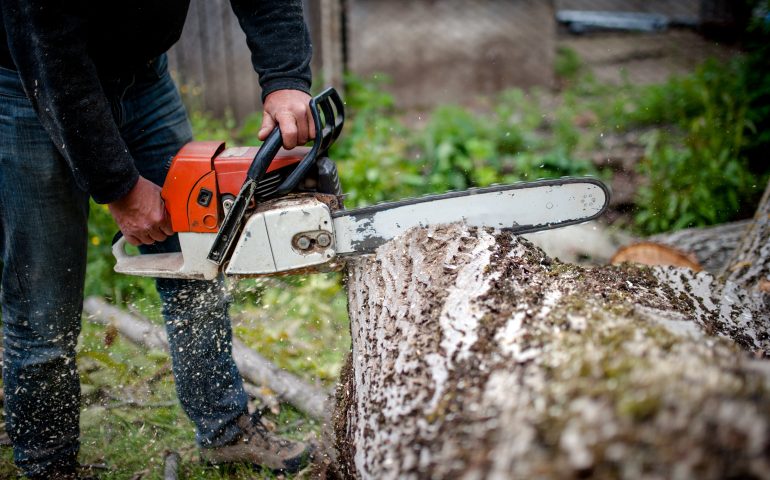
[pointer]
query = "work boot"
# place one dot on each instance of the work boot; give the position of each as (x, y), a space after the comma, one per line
(258, 446)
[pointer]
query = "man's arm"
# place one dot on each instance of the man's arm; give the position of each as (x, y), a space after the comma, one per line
(47, 41)
(280, 51)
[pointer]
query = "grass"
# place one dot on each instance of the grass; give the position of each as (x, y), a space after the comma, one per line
(299, 323)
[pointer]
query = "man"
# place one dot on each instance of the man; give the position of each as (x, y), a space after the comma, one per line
(87, 108)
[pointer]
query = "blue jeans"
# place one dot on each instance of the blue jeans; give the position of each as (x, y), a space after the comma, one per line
(43, 239)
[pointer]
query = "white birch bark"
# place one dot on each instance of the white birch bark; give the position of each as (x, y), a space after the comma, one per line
(474, 355)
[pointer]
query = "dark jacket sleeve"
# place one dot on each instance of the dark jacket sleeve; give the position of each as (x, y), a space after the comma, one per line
(47, 41)
(279, 42)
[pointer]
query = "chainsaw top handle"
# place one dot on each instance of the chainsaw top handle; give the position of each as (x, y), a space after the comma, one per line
(328, 116)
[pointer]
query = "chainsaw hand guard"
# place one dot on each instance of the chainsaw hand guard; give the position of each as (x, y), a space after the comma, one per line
(328, 116)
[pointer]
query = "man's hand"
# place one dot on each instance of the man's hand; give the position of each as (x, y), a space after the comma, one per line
(290, 109)
(141, 215)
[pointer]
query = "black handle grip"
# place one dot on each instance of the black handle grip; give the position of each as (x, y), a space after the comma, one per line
(328, 116)
(265, 154)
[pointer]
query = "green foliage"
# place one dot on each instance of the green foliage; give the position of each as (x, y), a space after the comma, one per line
(381, 158)
(300, 323)
(101, 280)
(372, 152)
(553, 164)
(567, 65)
(130, 416)
(208, 127)
(457, 150)
(690, 186)
(702, 176)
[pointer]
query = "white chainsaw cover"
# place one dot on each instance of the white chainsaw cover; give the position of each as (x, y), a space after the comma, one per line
(267, 243)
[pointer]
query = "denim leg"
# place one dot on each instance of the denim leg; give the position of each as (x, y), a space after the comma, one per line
(43, 225)
(208, 383)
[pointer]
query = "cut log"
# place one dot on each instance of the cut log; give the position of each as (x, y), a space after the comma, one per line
(650, 253)
(749, 265)
(710, 246)
(253, 366)
(474, 355)
(703, 248)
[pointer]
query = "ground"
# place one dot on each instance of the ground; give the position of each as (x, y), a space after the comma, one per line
(644, 59)
(130, 415)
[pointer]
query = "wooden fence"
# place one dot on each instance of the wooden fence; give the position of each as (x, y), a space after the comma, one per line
(212, 63)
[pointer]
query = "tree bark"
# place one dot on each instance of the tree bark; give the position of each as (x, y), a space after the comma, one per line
(738, 252)
(474, 355)
(750, 263)
(253, 366)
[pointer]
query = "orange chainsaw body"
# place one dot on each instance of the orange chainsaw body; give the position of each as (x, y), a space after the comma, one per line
(202, 173)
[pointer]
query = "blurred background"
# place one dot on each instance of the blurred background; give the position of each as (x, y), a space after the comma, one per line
(485, 90)
(455, 50)
(667, 101)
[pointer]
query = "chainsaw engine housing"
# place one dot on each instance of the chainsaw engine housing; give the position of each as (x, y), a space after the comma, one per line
(281, 234)
(284, 235)
(204, 178)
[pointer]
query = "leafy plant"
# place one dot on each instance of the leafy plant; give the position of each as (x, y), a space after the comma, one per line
(688, 187)
(372, 154)
(554, 164)
(455, 146)
(701, 177)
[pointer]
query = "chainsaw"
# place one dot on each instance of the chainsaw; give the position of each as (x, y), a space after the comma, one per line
(253, 211)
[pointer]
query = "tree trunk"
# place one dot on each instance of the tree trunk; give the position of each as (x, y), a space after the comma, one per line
(711, 246)
(750, 263)
(474, 355)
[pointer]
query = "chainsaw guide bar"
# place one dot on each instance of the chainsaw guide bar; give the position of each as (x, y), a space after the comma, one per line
(287, 215)
(519, 208)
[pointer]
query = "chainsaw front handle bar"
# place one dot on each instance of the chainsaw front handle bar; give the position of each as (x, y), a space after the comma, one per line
(265, 155)
(328, 116)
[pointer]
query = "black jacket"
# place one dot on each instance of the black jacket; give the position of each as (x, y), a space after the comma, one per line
(65, 49)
